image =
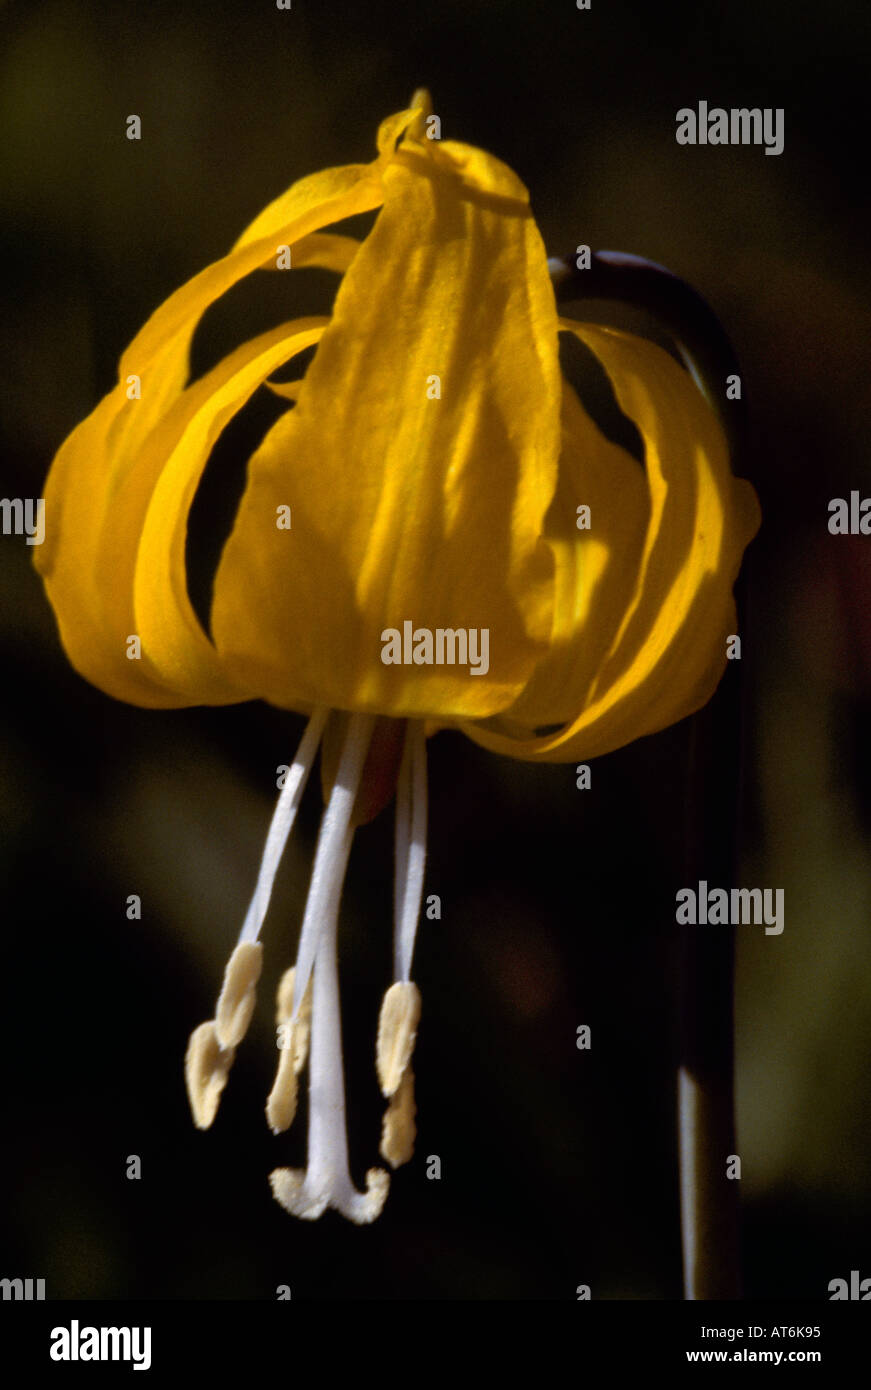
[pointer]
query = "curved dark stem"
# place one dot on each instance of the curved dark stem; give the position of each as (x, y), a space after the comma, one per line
(705, 1076)
(699, 337)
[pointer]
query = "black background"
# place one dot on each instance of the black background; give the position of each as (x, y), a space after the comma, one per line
(558, 1167)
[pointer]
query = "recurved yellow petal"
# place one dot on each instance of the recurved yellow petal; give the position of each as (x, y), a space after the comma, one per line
(91, 593)
(325, 250)
(669, 651)
(420, 461)
(596, 567)
(173, 458)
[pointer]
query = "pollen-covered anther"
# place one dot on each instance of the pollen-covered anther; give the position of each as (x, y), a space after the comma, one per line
(281, 1105)
(308, 1197)
(293, 1040)
(398, 1131)
(206, 1068)
(238, 993)
(302, 1023)
(397, 1030)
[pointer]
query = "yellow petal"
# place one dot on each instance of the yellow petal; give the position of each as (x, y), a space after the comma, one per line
(288, 389)
(394, 127)
(407, 507)
(596, 568)
(324, 250)
(176, 454)
(670, 649)
(93, 599)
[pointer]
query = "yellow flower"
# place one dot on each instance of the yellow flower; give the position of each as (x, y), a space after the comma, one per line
(434, 462)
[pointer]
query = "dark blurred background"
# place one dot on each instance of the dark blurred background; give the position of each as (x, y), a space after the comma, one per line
(558, 1167)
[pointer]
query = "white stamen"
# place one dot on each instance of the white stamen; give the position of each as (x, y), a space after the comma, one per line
(398, 1131)
(334, 847)
(410, 846)
(397, 1030)
(282, 824)
(238, 993)
(403, 838)
(327, 1180)
(302, 1023)
(206, 1068)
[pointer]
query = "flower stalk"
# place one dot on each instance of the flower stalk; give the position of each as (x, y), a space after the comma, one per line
(705, 1075)
(709, 1199)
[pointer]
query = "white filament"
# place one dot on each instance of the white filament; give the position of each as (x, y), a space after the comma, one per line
(334, 847)
(410, 847)
(282, 824)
